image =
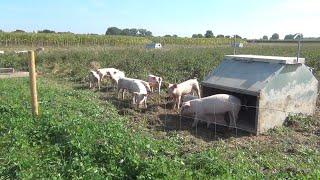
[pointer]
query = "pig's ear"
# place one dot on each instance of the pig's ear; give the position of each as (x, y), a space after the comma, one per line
(174, 86)
(186, 104)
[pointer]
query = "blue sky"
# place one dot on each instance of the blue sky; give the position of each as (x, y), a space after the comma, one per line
(248, 18)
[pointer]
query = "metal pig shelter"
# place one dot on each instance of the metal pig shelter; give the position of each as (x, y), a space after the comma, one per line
(269, 87)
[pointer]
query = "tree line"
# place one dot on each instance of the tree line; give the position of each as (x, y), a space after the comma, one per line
(209, 34)
(128, 32)
(275, 36)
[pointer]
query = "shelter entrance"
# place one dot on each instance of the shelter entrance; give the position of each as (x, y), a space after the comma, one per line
(247, 118)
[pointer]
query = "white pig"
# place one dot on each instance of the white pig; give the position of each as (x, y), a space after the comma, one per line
(136, 87)
(116, 75)
(189, 97)
(106, 72)
(216, 105)
(176, 91)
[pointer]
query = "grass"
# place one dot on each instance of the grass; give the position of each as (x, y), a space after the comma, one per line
(79, 136)
(84, 134)
(174, 63)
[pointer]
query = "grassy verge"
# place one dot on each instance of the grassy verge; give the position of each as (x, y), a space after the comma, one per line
(79, 136)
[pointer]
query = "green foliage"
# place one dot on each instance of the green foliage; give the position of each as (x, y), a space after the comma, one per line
(197, 36)
(220, 36)
(46, 31)
(128, 32)
(208, 34)
(79, 136)
(141, 37)
(275, 36)
(289, 36)
(76, 136)
(302, 123)
(113, 31)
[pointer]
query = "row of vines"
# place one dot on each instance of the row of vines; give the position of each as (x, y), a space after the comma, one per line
(43, 39)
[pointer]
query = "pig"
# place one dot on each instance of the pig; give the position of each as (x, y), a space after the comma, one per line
(154, 82)
(136, 87)
(208, 108)
(94, 79)
(189, 97)
(116, 75)
(106, 72)
(176, 91)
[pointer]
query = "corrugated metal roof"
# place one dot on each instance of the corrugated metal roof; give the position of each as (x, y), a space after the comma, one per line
(269, 59)
(247, 77)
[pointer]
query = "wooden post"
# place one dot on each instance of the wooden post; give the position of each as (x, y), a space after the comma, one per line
(33, 84)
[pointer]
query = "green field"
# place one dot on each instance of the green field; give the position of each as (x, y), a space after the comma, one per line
(67, 40)
(82, 133)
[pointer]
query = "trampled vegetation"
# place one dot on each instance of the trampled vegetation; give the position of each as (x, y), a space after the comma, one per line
(80, 135)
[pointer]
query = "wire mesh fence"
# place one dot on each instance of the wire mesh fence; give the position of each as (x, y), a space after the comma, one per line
(160, 109)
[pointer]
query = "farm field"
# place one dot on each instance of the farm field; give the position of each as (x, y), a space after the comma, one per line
(83, 133)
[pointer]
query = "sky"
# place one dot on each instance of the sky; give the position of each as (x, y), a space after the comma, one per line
(247, 18)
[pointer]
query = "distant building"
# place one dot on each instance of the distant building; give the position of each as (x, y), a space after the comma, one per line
(154, 46)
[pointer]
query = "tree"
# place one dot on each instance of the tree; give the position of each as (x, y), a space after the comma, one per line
(265, 37)
(238, 37)
(220, 36)
(197, 36)
(275, 36)
(113, 31)
(175, 36)
(209, 34)
(289, 37)
(19, 31)
(133, 32)
(298, 36)
(125, 32)
(148, 33)
(46, 31)
(128, 32)
(227, 36)
(68, 32)
(142, 32)
(167, 35)
(194, 35)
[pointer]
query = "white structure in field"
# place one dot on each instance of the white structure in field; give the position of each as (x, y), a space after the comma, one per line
(154, 46)
(237, 45)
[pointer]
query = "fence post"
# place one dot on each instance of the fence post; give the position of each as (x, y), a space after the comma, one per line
(33, 84)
